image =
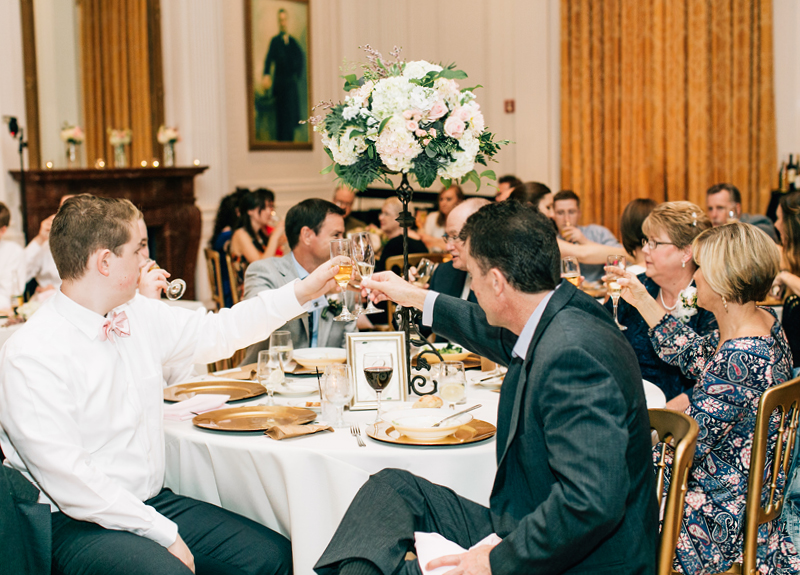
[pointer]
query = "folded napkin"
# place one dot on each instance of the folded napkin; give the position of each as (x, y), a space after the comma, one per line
(295, 430)
(200, 403)
(430, 546)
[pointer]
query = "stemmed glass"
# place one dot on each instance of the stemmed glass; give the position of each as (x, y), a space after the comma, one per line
(452, 382)
(364, 256)
(343, 247)
(378, 369)
(269, 372)
(571, 270)
(425, 269)
(175, 289)
(338, 389)
(281, 342)
(614, 289)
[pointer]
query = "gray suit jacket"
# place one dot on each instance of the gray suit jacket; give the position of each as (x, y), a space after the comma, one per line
(272, 273)
(574, 490)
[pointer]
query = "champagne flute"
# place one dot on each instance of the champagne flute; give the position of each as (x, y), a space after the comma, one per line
(364, 255)
(269, 372)
(452, 382)
(571, 270)
(343, 247)
(378, 369)
(281, 341)
(338, 389)
(425, 269)
(175, 289)
(614, 289)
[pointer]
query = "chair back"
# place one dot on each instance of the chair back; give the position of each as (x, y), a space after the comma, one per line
(785, 398)
(679, 431)
(214, 277)
(233, 278)
(413, 259)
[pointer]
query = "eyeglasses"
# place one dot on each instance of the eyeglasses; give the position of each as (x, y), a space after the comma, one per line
(652, 244)
(450, 239)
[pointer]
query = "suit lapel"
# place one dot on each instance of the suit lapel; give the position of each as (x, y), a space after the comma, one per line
(290, 274)
(560, 298)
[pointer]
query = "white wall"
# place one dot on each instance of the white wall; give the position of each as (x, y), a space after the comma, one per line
(786, 43)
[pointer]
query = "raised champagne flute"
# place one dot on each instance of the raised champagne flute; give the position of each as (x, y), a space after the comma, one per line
(175, 289)
(425, 269)
(571, 270)
(378, 370)
(452, 382)
(343, 247)
(364, 256)
(614, 289)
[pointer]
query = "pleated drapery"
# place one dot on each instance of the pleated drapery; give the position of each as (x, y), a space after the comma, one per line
(121, 75)
(663, 98)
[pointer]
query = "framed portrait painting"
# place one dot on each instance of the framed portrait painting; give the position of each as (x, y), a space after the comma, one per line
(278, 51)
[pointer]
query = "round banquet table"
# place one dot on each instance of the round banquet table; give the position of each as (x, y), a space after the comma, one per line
(301, 487)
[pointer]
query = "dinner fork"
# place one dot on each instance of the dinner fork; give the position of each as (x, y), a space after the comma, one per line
(356, 432)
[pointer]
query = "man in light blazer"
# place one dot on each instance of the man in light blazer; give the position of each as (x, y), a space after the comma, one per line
(310, 226)
(574, 490)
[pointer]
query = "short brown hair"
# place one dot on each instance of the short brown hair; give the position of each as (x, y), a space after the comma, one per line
(566, 195)
(85, 224)
(5, 215)
(630, 224)
(681, 221)
(790, 206)
(739, 261)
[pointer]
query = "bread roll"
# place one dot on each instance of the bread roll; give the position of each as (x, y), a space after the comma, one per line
(428, 401)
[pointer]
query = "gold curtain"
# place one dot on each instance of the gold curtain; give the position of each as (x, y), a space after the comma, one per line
(121, 68)
(663, 98)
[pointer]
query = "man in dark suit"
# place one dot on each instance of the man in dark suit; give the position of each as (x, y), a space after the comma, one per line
(574, 490)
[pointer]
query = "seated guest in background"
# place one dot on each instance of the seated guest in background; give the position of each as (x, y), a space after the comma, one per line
(669, 231)
(250, 242)
(788, 225)
(39, 264)
(81, 416)
(432, 233)
(506, 185)
(733, 366)
(394, 234)
(344, 198)
(724, 204)
(225, 222)
(12, 263)
(567, 214)
(574, 485)
(310, 227)
(536, 194)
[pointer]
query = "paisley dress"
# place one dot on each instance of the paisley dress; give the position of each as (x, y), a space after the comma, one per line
(730, 381)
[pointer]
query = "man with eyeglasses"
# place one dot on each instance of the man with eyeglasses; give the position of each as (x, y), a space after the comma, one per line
(344, 198)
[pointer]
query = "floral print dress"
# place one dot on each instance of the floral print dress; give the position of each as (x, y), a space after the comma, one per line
(730, 381)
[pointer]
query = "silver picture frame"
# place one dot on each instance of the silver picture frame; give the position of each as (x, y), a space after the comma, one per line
(364, 397)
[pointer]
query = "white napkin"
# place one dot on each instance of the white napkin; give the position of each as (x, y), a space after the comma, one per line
(430, 546)
(200, 403)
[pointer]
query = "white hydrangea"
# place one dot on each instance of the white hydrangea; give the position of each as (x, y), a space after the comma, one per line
(419, 68)
(474, 117)
(449, 91)
(422, 98)
(397, 146)
(347, 150)
(463, 161)
(390, 97)
(350, 112)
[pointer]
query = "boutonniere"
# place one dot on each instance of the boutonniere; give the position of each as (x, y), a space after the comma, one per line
(687, 306)
(334, 306)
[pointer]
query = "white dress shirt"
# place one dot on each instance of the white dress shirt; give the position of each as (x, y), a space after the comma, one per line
(12, 268)
(39, 264)
(82, 418)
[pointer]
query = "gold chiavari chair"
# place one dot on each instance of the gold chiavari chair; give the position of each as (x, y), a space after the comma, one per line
(413, 259)
(215, 277)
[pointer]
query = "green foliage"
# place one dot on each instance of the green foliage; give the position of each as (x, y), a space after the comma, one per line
(334, 123)
(351, 82)
(425, 168)
(361, 174)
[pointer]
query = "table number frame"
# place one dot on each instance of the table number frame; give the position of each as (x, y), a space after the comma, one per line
(364, 397)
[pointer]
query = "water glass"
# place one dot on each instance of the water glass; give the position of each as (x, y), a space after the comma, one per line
(337, 387)
(269, 372)
(571, 270)
(281, 342)
(452, 382)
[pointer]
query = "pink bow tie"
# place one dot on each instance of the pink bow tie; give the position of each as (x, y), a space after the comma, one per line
(116, 324)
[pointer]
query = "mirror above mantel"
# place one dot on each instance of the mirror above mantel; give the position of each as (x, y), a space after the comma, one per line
(96, 64)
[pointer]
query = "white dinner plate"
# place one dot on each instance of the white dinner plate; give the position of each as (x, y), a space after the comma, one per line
(474, 377)
(296, 389)
(319, 356)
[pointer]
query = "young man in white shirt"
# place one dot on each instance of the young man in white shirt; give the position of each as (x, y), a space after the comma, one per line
(81, 405)
(12, 264)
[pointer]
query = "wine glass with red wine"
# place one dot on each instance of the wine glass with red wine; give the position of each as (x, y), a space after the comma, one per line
(378, 369)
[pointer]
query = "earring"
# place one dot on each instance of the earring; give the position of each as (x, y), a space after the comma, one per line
(683, 264)
(724, 302)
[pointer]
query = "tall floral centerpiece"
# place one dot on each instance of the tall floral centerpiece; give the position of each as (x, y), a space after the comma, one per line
(167, 137)
(118, 140)
(413, 119)
(73, 137)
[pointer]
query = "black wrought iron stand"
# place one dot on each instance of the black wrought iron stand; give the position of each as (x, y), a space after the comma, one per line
(408, 318)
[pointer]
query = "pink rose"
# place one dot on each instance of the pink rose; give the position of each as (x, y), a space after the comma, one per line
(420, 133)
(462, 113)
(407, 114)
(454, 127)
(432, 132)
(438, 110)
(412, 126)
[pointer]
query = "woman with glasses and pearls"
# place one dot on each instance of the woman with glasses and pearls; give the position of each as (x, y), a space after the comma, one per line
(734, 365)
(667, 247)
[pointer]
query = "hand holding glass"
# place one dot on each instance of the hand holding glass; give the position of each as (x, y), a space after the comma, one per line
(269, 372)
(364, 256)
(425, 269)
(343, 248)
(614, 289)
(337, 387)
(175, 289)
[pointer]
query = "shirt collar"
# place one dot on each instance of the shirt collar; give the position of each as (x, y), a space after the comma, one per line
(84, 319)
(526, 336)
(301, 271)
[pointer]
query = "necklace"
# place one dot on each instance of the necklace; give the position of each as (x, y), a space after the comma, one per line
(666, 307)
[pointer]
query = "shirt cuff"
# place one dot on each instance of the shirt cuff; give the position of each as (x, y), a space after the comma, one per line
(427, 309)
(164, 532)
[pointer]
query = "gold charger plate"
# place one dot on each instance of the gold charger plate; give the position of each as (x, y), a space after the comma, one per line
(472, 361)
(253, 417)
(474, 431)
(247, 372)
(236, 389)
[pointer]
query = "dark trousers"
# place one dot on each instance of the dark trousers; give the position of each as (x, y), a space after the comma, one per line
(379, 525)
(222, 543)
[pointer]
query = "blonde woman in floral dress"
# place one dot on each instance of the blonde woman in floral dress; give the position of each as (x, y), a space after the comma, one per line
(733, 366)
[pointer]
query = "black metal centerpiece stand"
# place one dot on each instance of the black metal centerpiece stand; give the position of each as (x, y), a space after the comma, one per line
(409, 318)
